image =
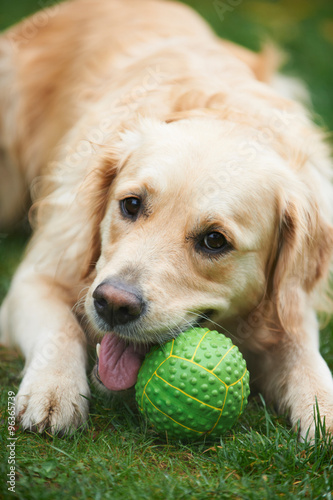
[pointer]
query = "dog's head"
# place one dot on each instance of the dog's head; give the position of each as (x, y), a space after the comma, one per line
(191, 231)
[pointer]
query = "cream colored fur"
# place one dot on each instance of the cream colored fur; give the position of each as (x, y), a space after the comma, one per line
(111, 98)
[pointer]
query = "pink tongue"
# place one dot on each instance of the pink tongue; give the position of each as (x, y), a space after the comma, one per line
(119, 363)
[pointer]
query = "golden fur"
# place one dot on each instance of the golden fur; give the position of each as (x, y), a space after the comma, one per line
(111, 99)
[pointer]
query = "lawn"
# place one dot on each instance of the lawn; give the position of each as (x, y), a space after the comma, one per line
(117, 456)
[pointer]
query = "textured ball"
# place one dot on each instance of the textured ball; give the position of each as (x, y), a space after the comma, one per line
(194, 385)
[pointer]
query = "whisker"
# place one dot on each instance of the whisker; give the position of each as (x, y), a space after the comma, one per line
(210, 320)
(79, 303)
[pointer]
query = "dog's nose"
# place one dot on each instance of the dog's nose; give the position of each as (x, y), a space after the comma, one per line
(118, 302)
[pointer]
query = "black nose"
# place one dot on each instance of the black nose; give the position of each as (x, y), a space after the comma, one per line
(118, 302)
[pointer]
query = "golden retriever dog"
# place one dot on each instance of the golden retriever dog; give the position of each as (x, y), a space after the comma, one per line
(173, 185)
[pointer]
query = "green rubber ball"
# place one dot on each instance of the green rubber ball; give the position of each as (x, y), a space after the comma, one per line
(194, 385)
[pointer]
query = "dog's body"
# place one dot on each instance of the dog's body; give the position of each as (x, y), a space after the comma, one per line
(171, 186)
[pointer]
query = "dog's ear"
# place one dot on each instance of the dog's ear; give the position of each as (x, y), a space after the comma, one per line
(97, 186)
(303, 260)
(97, 193)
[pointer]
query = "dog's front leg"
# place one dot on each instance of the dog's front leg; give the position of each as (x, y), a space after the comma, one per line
(295, 377)
(36, 317)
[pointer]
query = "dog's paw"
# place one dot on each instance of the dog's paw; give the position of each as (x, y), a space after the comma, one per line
(57, 403)
(316, 425)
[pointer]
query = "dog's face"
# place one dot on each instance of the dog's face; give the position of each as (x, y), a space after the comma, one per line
(188, 232)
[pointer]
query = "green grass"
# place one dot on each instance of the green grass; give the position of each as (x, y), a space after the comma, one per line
(117, 456)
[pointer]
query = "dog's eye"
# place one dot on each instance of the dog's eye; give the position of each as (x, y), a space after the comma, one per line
(214, 242)
(130, 207)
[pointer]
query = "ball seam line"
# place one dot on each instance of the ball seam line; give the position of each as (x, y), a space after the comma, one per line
(166, 359)
(230, 349)
(188, 395)
(219, 417)
(241, 408)
(168, 416)
(239, 380)
(204, 335)
(200, 366)
(226, 394)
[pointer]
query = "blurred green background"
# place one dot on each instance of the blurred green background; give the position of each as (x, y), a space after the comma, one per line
(304, 28)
